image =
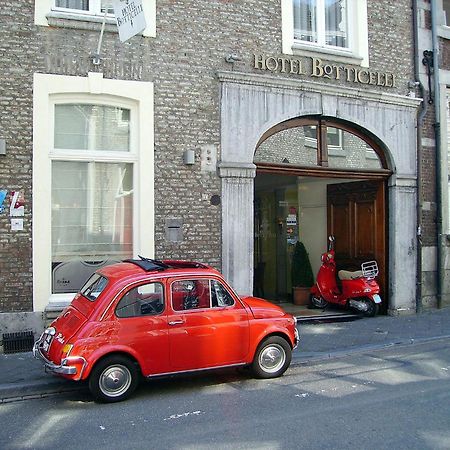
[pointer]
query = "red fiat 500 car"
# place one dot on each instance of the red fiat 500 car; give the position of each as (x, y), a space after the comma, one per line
(152, 318)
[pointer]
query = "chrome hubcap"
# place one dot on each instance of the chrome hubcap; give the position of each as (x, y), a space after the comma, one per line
(272, 358)
(115, 380)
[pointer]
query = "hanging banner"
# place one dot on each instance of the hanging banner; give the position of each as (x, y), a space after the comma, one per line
(129, 17)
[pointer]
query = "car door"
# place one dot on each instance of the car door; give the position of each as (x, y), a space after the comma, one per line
(208, 326)
(141, 316)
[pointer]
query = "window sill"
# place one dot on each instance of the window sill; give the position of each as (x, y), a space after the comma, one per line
(60, 300)
(80, 21)
(444, 31)
(341, 56)
(336, 151)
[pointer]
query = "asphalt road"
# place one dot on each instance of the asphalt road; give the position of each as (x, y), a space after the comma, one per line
(397, 398)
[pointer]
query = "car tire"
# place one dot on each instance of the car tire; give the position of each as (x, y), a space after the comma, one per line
(113, 379)
(272, 358)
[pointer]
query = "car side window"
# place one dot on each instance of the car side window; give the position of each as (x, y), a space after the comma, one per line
(143, 300)
(220, 297)
(191, 294)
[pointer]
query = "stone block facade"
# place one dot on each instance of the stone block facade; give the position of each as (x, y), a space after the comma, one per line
(192, 41)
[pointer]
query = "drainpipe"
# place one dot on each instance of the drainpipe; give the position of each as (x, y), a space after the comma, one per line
(437, 136)
(420, 119)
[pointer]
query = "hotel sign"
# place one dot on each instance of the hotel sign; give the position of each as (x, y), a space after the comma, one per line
(316, 68)
(130, 18)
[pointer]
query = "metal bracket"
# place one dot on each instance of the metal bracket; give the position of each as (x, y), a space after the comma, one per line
(428, 62)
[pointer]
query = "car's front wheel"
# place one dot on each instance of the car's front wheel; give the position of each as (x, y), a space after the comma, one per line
(272, 357)
(113, 379)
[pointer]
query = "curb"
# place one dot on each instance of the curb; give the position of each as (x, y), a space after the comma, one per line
(40, 389)
(311, 358)
(26, 391)
(328, 319)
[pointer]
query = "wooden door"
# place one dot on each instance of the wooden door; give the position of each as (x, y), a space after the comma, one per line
(357, 218)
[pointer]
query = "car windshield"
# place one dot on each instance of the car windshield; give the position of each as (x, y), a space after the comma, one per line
(94, 287)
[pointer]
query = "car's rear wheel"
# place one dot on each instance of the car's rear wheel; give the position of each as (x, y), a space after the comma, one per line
(113, 379)
(272, 357)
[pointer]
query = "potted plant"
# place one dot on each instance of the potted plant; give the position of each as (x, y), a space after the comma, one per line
(302, 275)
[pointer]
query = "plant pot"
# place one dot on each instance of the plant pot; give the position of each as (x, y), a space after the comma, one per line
(301, 295)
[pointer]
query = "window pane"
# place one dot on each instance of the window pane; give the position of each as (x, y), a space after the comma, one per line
(94, 287)
(107, 4)
(190, 294)
(297, 146)
(92, 127)
(351, 153)
(146, 300)
(334, 137)
(92, 219)
(336, 23)
(220, 296)
(446, 7)
(305, 20)
(73, 4)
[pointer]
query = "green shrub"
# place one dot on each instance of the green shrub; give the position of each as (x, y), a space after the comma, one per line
(302, 275)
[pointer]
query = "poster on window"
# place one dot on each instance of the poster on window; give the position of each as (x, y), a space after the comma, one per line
(16, 207)
(129, 17)
(3, 194)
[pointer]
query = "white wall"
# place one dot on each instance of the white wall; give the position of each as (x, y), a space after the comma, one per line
(312, 200)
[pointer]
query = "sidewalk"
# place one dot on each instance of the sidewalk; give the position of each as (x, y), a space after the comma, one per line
(22, 376)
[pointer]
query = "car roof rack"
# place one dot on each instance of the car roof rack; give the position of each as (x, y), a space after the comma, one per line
(149, 265)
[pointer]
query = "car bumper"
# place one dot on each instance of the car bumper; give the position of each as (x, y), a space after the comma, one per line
(62, 369)
(297, 336)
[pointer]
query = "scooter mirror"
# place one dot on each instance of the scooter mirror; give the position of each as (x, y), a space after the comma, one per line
(331, 240)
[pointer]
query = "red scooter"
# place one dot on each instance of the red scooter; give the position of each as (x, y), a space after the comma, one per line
(359, 290)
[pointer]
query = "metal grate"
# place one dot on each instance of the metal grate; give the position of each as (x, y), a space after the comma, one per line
(21, 341)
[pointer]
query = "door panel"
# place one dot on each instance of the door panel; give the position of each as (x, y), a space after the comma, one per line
(356, 217)
(340, 222)
(208, 337)
(365, 220)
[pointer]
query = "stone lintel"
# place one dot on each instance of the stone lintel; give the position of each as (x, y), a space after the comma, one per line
(236, 170)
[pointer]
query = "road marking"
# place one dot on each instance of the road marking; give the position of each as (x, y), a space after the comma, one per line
(186, 414)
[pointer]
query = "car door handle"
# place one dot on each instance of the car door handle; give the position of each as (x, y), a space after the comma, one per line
(176, 322)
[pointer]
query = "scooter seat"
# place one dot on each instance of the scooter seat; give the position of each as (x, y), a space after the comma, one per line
(348, 275)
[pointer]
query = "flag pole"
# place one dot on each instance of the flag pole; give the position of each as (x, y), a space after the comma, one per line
(96, 58)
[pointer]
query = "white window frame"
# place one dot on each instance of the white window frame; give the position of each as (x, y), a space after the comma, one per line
(94, 9)
(443, 28)
(357, 51)
(444, 13)
(45, 10)
(312, 142)
(49, 90)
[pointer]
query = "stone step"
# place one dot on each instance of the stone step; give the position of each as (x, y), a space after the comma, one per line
(50, 314)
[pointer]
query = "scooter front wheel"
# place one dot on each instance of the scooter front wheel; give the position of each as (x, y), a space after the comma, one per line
(372, 307)
(316, 301)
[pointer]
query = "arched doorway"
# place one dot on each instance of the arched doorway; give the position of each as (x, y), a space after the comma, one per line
(317, 176)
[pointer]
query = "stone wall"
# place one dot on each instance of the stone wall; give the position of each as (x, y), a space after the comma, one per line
(193, 37)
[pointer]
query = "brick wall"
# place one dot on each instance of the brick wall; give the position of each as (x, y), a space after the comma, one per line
(193, 37)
